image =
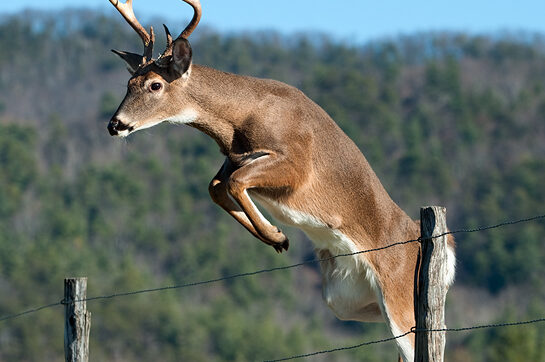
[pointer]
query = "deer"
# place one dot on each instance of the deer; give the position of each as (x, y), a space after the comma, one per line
(285, 153)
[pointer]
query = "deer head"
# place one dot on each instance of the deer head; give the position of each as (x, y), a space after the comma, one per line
(154, 82)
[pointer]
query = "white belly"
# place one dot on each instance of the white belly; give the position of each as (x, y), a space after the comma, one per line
(350, 288)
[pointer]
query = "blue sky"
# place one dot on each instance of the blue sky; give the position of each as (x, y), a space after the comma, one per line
(351, 20)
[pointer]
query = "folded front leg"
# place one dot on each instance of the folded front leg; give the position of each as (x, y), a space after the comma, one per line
(272, 176)
(219, 194)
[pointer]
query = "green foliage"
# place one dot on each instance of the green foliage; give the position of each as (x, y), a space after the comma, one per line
(512, 255)
(510, 343)
(18, 165)
(443, 118)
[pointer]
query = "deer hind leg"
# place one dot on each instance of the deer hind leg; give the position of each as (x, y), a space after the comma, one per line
(399, 315)
(360, 294)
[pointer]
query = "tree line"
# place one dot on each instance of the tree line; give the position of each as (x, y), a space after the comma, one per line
(443, 118)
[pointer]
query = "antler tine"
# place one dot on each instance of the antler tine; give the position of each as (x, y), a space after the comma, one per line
(148, 49)
(196, 5)
(169, 37)
(126, 10)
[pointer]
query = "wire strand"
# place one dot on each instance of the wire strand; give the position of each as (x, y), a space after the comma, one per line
(37, 309)
(412, 330)
(483, 326)
(484, 228)
(340, 348)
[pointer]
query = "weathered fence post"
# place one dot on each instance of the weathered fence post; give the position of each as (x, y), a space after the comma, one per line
(431, 288)
(77, 320)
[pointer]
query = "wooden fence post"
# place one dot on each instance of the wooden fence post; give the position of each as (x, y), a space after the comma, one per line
(77, 321)
(431, 288)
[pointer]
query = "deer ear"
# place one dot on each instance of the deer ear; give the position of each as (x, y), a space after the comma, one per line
(133, 60)
(181, 55)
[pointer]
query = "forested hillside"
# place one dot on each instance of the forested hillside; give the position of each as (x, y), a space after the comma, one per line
(446, 119)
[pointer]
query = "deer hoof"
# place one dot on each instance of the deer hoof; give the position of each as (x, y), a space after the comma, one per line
(279, 247)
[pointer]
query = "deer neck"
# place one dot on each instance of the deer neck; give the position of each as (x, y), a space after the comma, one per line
(223, 101)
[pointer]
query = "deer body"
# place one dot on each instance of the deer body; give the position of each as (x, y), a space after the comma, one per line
(285, 152)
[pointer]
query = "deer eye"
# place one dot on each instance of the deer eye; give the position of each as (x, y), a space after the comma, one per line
(155, 86)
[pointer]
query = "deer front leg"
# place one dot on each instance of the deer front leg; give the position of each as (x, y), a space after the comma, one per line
(267, 173)
(219, 194)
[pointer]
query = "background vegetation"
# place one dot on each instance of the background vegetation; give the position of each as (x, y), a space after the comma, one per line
(447, 119)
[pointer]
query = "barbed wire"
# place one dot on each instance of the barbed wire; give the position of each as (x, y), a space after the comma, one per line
(262, 271)
(37, 309)
(340, 348)
(412, 330)
(484, 228)
(483, 326)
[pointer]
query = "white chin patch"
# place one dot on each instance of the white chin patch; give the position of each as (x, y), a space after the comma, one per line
(123, 133)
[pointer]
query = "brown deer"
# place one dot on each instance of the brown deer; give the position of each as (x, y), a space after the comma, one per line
(285, 152)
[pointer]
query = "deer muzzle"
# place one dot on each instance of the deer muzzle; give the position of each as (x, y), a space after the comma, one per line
(117, 128)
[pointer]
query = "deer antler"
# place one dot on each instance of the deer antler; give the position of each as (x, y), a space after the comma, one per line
(164, 58)
(196, 5)
(135, 60)
(126, 10)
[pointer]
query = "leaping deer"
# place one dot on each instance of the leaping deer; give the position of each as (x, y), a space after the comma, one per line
(285, 152)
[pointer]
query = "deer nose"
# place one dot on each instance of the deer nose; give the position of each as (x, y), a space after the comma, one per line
(112, 126)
